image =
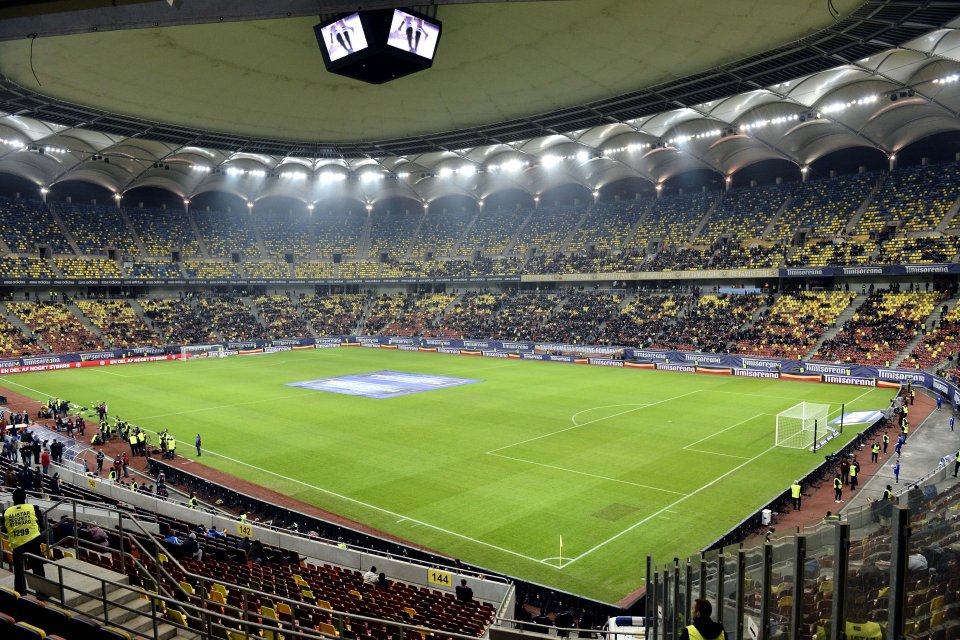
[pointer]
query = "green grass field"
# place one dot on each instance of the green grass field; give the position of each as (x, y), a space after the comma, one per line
(621, 463)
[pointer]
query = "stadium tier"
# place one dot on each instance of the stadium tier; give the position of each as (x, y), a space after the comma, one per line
(178, 321)
(97, 228)
(710, 323)
(28, 225)
(882, 326)
(164, 231)
(765, 227)
(118, 323)
(56, 326)
(792, 325)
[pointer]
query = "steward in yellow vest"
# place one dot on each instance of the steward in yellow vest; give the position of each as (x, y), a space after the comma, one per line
(23, 523)
(703, 628)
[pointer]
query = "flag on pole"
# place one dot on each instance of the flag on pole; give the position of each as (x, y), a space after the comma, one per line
(561, 549)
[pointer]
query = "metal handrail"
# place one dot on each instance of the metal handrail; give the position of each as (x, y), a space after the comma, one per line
(205, 615)
(245, 590)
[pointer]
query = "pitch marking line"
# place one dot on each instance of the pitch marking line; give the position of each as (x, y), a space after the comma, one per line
(690, 495)
(221, 406)
(667, 508)
(589, 475)
(715, 453)
(716, 433)
(589, 422)
(388, 512)
(639, 405)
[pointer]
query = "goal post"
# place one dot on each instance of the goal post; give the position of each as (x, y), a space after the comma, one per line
(797, 426)
(192, 351)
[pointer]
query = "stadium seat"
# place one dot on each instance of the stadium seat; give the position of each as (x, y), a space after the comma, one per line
(25, 631)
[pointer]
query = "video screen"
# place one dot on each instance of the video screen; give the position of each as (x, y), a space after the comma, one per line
(413, 34)
(344, 37)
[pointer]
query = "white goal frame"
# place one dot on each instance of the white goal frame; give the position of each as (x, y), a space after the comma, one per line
(799, 426)
(193, 351)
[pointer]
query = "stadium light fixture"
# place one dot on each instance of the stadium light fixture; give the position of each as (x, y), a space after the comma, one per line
(804, 169)
(536, 198)
(16, 144)
(370, 176)
(550, 161)
(294, 175)
(403, 175)
(582, 156)
(953, 77)
(659, 188)
(759, 124)
(369, 207)
(512, 166)
(250, 205)
(310, 207)
(200, 168)
(480, 203)
(256, 173)
(837, 107)
(446, 172)
(468, 170)
(234, 171)
(186, 201)
(117, 196)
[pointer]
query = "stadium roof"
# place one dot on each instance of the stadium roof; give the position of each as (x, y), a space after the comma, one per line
(527, 95)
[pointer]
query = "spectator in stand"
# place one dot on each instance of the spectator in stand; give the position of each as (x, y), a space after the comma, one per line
(464, 593)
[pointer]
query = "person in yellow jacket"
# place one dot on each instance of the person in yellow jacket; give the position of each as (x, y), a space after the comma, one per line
(796, 493)
(703, 627)
(23, 523)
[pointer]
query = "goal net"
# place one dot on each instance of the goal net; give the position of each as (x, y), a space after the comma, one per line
(797, 426)
(191, 351)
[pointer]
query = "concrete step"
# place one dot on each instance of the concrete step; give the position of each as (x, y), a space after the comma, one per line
(94, 607)
(78, 589)
(165, 631)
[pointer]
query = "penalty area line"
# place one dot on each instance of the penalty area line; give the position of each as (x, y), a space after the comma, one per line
(589, 475)
(589, 422)
(383, 510)
(667, 508)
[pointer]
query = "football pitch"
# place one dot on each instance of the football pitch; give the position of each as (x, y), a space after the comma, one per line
(493, 467)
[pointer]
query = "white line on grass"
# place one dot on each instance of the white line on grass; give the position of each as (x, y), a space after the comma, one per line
(380, 509)
(589, 475)
(716, 433)
(23, 386)
(584, 424)
(639, 405)
(666, 508)
(220, 406)
(690, 495)
(715, 453)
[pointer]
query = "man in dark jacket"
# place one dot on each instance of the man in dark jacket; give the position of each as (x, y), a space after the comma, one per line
(703, 628)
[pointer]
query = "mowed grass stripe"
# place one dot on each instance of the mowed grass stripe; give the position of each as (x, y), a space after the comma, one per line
(418, 466)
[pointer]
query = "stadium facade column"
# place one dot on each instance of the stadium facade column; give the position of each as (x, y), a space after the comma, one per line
(648, 609)
(766, 589)
(654, 606)
(799, 562)
(703, 577)
(675, 618)
(841, 565)
(687, 594)
(899, 557)
(741, 590)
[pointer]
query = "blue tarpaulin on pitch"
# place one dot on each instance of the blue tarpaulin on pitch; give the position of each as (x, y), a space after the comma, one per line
(859, 417)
